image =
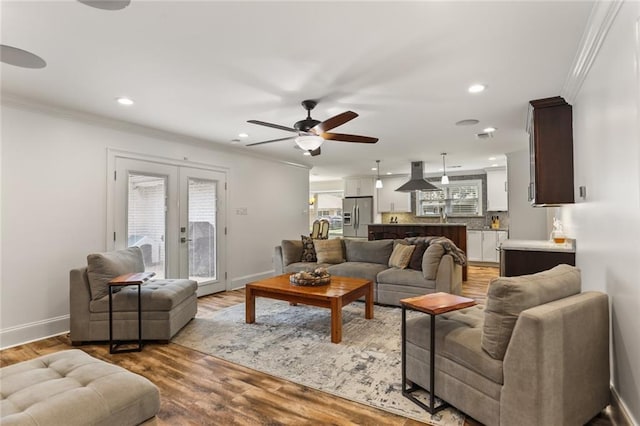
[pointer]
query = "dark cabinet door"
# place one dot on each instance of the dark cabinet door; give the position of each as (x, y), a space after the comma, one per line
(524, 262)
(551, 151)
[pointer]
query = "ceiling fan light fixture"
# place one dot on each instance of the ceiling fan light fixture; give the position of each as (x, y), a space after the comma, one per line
(309, 142)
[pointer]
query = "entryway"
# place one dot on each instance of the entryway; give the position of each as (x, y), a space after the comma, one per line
(176, 215)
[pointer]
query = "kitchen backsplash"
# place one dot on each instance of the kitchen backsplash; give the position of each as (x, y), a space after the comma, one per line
(472, 222)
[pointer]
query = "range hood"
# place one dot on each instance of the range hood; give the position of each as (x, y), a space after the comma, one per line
(417, 180)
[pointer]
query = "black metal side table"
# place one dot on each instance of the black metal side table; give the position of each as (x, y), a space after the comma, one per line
(123, 281)
(433, 304)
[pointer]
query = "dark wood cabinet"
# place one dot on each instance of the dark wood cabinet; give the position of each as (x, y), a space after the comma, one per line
(524, 262)
(550, 130)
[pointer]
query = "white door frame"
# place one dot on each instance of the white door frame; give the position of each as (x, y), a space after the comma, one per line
(113, 154)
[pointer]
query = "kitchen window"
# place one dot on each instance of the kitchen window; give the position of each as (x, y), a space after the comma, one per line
(462, 198)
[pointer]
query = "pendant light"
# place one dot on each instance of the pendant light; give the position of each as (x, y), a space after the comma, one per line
(445, 178)
(378, 181)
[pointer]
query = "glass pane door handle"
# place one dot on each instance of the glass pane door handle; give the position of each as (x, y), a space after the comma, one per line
(184, 239)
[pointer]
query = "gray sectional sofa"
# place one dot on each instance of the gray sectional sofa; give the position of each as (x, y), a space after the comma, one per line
(536, 354)
(370, 260)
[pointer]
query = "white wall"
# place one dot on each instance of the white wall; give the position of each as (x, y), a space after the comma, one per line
(54, 192)
(525, 222)
(607, 223)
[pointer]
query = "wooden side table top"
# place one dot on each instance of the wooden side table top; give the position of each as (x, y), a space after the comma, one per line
(437, 303)
(132, 278)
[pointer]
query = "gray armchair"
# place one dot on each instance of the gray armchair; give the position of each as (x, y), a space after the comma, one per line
(167, 305)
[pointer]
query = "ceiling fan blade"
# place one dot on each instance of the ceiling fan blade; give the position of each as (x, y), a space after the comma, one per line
(334, 121)
(275, 126)
(269, 141)
(315, 152)
(349, 138)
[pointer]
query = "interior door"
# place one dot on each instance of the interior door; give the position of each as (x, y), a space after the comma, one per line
(202, 228)
(176, 215)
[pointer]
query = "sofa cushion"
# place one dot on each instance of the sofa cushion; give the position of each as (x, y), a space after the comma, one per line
(308, 250)
(291, 251)
(157, 295)
(400, 256)
(103, 267)
(431, 261)
(417, 255)
(405, 277)
(329, 251)
(507, 297)
(366, 270)
(458, 335)
(377, 251)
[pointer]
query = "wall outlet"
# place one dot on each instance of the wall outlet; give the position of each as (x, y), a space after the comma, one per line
(241, 211)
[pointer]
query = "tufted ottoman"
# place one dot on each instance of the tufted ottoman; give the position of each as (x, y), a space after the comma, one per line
(73, 388)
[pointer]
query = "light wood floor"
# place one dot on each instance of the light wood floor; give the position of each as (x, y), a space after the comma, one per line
(199, 389)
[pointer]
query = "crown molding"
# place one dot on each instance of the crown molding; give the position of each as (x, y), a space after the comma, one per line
(602, 16)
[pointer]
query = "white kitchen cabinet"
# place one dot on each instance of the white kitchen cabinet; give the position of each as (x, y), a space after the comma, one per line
(359, 187)
(497, 190)
(482, 246)
(474, 246)
(392, 201)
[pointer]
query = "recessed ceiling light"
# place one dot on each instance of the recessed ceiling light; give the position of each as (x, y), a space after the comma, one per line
(374, 168)
(477, 88)
(307, 153)
(124, 101)
(243, 135)
(20, 58)
(489, 129)
(494, 165)
(389, 173)
(467, 122)
(492, 158)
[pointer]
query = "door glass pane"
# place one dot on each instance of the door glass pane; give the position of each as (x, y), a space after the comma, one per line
(202, 194)
(146, 219)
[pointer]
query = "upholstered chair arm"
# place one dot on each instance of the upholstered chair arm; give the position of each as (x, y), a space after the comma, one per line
(556, 368)
(278, 264)
(449, 276)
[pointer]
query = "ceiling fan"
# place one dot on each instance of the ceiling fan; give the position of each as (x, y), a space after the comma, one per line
(310, 133)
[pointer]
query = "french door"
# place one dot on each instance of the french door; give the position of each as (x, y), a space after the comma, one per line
(175, 214)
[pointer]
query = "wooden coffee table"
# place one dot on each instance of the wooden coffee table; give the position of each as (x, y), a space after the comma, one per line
(339, 292)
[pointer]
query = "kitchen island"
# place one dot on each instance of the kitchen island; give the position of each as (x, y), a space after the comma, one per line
(523, 257)
(456, 232)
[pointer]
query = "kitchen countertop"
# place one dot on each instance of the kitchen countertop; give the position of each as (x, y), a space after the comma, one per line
(419, 224)
(539, 245)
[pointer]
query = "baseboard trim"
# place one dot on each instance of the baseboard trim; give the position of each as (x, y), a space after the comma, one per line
(33, 331)
(619, 407)
(240, 282)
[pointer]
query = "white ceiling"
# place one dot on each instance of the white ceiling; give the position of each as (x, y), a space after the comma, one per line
(203, 68)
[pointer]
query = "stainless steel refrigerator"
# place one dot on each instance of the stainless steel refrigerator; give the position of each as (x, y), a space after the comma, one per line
(357, 213)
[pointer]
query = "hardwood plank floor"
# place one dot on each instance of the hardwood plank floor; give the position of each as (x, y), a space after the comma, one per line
(199, 389)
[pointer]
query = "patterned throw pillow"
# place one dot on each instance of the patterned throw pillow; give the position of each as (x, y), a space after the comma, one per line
(401, 256)
(308, 250)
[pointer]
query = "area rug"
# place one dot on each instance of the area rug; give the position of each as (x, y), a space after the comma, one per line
(294, 343)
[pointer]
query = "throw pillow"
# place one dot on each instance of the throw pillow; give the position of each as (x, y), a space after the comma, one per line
(308, 250)
(401, 256)
(507, 297)
(103, 267)
(431, 260)
(291, 251)
(329, 251)
(416, 257)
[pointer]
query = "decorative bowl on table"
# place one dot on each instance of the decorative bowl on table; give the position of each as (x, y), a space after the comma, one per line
(313, 278)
